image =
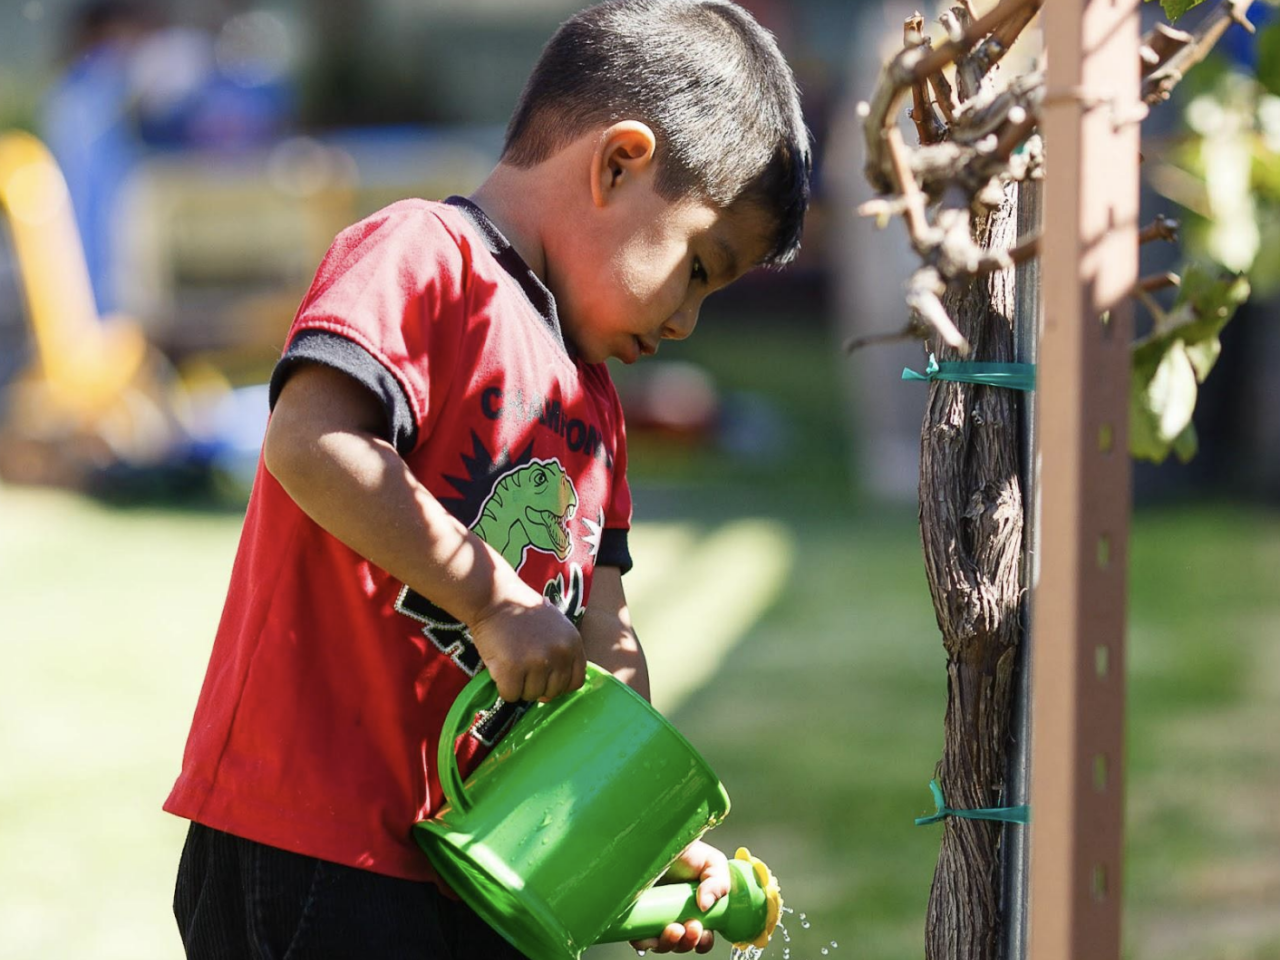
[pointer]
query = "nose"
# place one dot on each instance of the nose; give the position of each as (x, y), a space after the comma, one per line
(681, 323)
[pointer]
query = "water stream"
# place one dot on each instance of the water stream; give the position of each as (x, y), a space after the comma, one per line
(756, 953)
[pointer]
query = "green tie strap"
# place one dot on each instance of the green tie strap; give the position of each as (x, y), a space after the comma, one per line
(1014, 376)
(1020, 814)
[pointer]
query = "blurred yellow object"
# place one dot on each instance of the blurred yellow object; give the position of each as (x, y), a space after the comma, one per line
(97, 394)
(85, 362)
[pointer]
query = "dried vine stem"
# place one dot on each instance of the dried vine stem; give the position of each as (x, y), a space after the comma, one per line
(967, 151)
(912, 331)
(1006, 21)
(922, 62)
(1168, 54)
(953, 192)
(1161, 228)
(971, 523)
(929, 125)
(970, 498)
(1158, 281)
(970, 148)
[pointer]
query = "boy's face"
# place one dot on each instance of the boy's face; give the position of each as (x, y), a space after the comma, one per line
(638, 271)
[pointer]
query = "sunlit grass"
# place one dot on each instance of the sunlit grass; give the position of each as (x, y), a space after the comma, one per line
(824, 721)
(822, 710)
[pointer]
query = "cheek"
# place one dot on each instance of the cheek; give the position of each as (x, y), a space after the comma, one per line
(648, 262)
(631, 271)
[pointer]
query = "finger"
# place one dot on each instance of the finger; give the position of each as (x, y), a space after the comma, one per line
(701, 858)
(670, 938)
(535, 684)
(579, 675)
(557, 683)
(708, 942)
(692, 936)
(510, 683)
(714, 862)
(712, 889)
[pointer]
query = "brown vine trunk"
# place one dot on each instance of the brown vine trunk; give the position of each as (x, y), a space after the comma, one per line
(971, 522)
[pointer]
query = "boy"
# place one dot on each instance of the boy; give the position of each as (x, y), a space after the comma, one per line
(443, 481)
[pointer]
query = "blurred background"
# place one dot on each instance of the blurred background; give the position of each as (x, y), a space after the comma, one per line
(170, 175)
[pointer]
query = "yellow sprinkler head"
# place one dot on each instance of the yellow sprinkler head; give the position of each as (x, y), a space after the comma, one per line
(772, 897)
(746, 917)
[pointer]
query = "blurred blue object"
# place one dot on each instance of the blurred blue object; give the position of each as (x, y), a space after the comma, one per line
(86, 123)
(131, 86)
(1239, 45)
(191, 94)
(227, 434)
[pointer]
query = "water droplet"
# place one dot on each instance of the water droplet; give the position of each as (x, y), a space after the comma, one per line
(825, 951)
(805, 924)
(834, 944)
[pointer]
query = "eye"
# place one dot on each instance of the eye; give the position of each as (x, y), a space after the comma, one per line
(699, 271)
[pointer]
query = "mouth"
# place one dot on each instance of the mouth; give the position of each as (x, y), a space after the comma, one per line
(557, 528)
(646, 348)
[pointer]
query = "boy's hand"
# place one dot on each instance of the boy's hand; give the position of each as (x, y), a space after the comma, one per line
(703, 862)
(531, 649)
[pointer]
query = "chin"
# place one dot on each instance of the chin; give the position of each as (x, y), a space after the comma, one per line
(590, 354)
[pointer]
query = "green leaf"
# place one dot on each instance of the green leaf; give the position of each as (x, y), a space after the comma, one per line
(1172, 392)
(1187, 443)
(1213, 297)
(1204, 355)
(1206, 301)
(1173, 9)
(1169, 364)
(1268, 47)
(1161, 401)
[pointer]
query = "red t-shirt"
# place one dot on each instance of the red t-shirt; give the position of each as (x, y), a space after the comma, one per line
(317, 726)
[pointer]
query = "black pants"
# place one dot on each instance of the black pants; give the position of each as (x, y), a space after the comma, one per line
(240, 900)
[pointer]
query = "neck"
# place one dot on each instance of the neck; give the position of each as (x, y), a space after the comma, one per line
(510, 198)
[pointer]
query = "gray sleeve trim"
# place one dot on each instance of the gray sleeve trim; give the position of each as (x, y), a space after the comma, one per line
(347, 356)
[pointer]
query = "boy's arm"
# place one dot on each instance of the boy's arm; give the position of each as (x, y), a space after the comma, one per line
(607, 634)
(324, 445)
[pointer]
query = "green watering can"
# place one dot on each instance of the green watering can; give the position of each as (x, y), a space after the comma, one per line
(558, 835)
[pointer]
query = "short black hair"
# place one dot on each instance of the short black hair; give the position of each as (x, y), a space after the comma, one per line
(707, 78)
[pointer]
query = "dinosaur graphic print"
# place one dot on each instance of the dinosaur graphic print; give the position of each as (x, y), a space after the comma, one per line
(528, 508)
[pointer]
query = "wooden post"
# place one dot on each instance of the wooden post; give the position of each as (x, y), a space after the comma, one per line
(1089, 267)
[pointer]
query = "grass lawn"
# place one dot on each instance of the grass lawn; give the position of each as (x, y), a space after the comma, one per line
(792, 640)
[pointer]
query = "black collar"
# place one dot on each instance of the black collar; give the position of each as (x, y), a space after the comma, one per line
(535, 291)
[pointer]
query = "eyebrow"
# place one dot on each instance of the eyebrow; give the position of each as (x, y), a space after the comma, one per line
(728, 259)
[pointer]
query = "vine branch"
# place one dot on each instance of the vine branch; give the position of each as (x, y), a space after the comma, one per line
(974, 137)
(1161, 228)
(1168, 54)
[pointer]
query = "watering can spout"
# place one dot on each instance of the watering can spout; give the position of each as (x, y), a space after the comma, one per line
(747, 916)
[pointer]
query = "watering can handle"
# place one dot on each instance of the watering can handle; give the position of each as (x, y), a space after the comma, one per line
(479, 693)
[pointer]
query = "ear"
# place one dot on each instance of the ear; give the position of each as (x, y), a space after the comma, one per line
(623, 152)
